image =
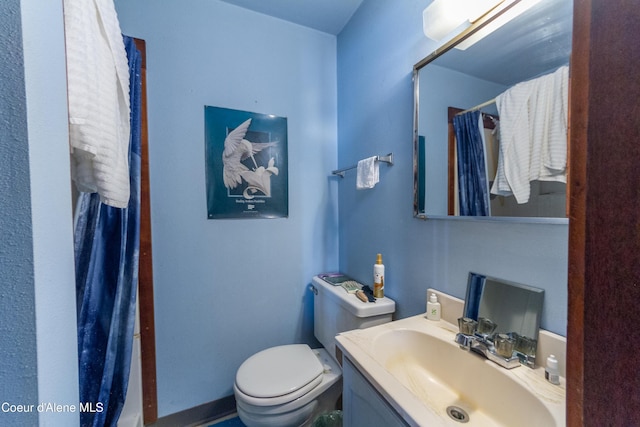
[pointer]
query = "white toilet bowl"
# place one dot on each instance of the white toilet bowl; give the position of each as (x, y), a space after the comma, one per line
(287, 386)
(290, 385)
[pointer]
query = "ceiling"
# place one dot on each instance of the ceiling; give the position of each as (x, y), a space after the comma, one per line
(328, 16)
(536, 42)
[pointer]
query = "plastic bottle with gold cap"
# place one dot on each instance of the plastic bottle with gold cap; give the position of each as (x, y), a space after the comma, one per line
(378, 278)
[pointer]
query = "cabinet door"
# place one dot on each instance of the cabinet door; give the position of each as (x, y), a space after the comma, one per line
(362, 405)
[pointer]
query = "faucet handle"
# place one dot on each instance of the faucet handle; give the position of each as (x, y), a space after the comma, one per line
(486, 326)
(467, 326)
(504, 345)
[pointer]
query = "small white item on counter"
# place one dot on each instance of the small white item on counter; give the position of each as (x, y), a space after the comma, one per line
(551, 371)
(433, 308)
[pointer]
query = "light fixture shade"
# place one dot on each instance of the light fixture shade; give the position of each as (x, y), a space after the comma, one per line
(442, 17)
(513, 12)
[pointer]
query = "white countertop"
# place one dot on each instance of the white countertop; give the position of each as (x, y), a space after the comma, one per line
(358, 346)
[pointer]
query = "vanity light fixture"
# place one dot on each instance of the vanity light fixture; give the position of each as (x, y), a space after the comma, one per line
(512, 12)
(443, 20)
(442, 17)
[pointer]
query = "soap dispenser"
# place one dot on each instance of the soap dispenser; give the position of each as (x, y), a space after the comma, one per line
(433, 308)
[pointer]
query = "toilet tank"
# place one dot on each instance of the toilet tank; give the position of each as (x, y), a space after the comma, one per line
(337, 311)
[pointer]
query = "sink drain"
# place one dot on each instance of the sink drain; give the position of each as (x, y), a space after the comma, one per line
(458, 414)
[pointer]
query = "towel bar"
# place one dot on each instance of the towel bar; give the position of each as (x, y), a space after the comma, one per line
(386, 159)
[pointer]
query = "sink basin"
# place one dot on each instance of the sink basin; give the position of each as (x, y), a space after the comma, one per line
(416, 365)
(443, 375)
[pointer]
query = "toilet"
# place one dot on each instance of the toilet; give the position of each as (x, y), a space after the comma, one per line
(290, 385)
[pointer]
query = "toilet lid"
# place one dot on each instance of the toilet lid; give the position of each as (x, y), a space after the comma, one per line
(278, 371)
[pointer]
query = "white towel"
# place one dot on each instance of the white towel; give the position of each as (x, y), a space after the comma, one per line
(368, 173)
(549, 126)
(98, 87)
(513, 161)
(533, 134)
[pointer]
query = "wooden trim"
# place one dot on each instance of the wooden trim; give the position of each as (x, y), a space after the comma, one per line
(576, 189)
(452, 170)
(604, 231)
(145, 281)
(451, 175)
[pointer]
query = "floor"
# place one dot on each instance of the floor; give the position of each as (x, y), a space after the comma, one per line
(228, 421)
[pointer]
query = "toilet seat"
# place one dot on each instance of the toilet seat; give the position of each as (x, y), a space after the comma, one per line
(279, 375)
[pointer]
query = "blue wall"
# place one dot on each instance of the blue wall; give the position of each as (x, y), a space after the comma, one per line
(376, 54)
(345, 98)
(18, 376)
(435, 98)
(225, 289)
(38, 362)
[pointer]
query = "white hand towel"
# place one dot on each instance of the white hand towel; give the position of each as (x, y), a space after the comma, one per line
(368, 175)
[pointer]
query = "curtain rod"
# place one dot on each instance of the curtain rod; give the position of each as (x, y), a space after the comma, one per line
(479, 106)
(484, 104)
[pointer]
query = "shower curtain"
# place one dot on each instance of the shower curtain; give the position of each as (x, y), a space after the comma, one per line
(473, 192)
(107, 252)
(475, 287)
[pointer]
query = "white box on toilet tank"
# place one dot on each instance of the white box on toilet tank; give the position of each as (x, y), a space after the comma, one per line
(336, 310)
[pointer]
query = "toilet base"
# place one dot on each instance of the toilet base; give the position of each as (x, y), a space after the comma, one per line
(299, 417)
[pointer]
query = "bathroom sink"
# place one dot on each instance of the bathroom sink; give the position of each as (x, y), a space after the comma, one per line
(416, 365)
(444, 376)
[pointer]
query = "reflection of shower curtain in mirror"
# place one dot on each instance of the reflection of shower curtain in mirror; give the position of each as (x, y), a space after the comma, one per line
(473, 193)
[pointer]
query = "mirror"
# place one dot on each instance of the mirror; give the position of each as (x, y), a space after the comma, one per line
(512, 309)
(527, 47)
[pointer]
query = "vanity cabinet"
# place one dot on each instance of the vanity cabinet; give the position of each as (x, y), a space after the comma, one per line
(362, 405)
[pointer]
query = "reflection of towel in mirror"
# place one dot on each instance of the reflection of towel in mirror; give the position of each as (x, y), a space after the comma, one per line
(367, 174)
(533, 134)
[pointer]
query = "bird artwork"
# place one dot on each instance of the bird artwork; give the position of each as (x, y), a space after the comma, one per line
(238, 149)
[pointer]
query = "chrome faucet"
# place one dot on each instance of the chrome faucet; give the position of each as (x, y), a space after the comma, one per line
(475, 336)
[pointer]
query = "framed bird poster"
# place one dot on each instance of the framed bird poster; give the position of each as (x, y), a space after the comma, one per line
(246, 164)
